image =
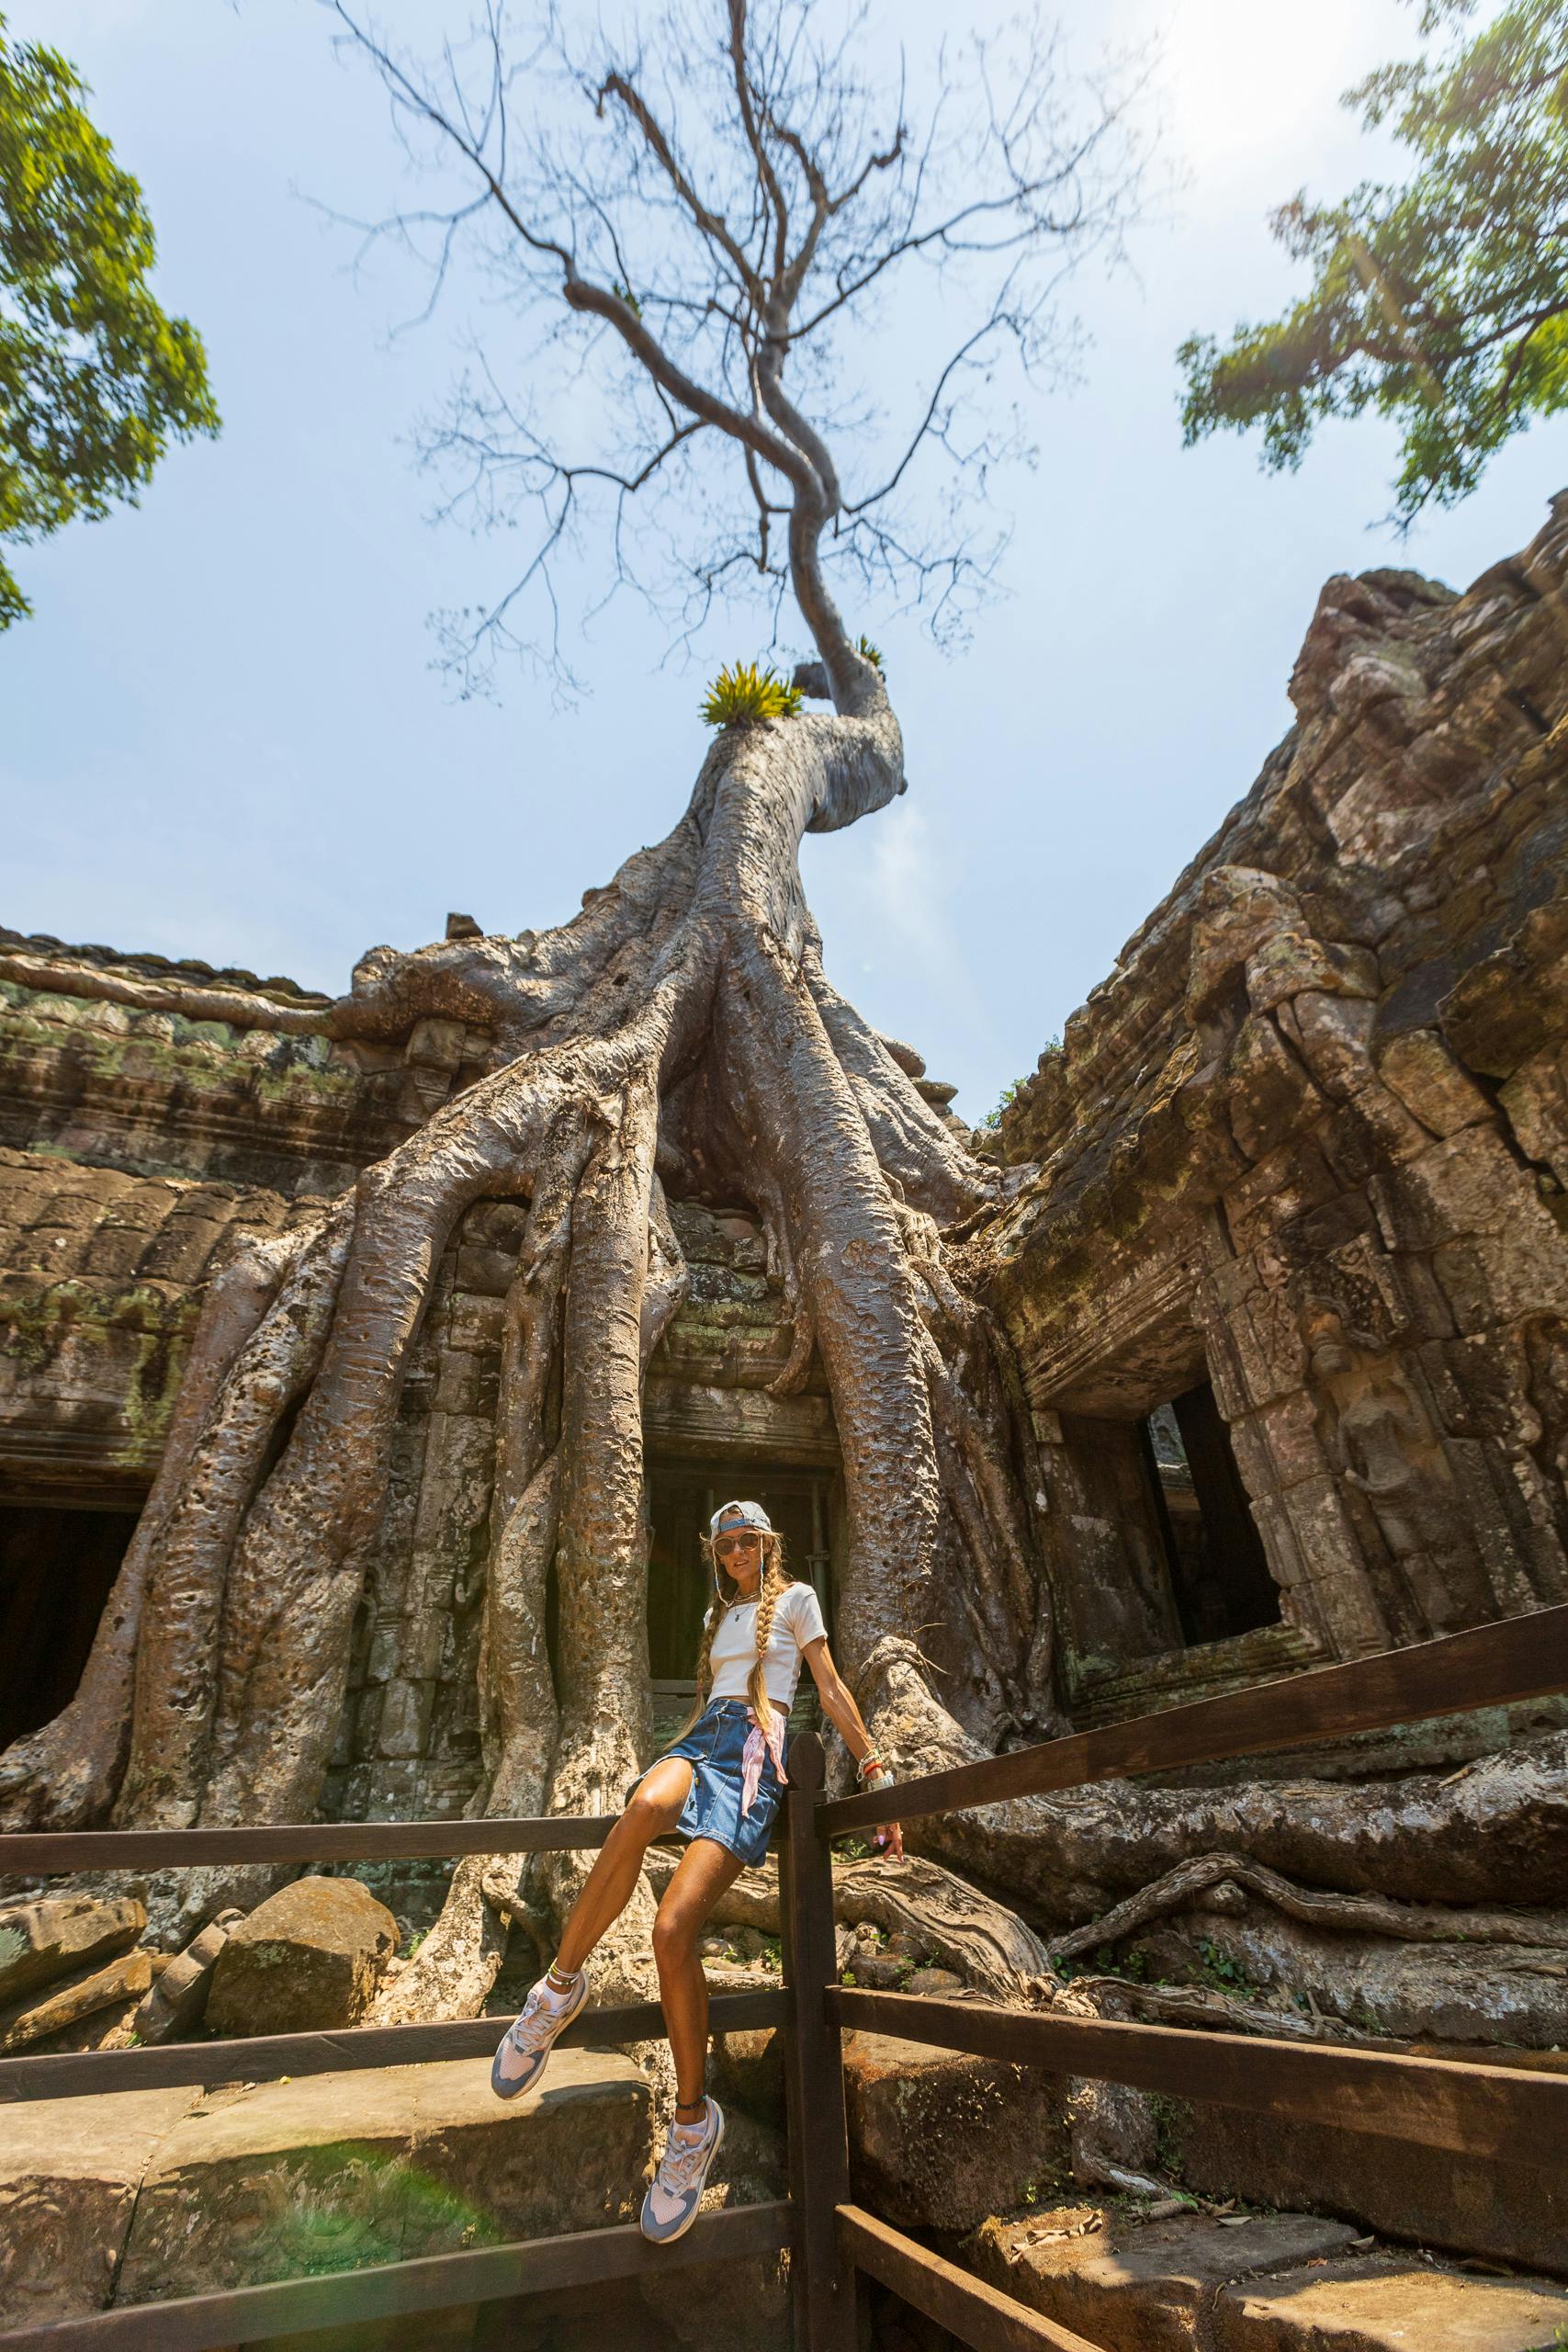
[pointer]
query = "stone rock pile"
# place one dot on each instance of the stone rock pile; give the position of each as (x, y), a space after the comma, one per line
(69, 1977)
(309, 1959)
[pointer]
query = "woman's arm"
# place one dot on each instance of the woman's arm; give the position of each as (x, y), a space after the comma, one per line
(839, 1707)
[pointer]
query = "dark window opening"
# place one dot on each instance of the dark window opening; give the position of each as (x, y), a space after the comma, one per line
(679, 1583)
(1219, 1573)
(56, 1569)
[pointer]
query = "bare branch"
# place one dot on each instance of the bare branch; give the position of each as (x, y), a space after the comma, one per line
(718, 226)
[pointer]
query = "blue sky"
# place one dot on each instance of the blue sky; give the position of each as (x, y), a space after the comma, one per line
(223, 735)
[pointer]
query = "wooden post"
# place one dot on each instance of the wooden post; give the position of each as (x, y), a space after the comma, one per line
(813, 2076)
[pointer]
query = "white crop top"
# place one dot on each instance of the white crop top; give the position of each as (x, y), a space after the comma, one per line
(797, 1619)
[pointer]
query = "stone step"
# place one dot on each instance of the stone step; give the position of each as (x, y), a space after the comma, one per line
(1259, 2283)
(145, 2195)
(1140, 2286)
(70, 2170)
(1386, 2303)
(1502, 2208)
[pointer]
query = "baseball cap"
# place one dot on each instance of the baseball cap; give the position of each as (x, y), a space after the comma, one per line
(729, 1516)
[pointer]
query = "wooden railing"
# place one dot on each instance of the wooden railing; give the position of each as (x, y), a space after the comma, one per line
(1435, 2102)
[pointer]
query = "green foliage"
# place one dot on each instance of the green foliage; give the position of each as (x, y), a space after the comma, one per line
(94, 376)
(1009, 1094)
(1225, 1974)
(869, 652)
(740, 695)
(627, 297)
(1441, 303)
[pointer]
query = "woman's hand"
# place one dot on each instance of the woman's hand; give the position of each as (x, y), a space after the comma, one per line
(888, 1840)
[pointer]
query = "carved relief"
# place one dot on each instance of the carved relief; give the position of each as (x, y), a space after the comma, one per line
(1382, 1441)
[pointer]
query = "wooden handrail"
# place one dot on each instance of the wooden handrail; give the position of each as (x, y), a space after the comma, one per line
(1492, 1666)
(1510, 2111)
(389, 2290)
(1470, 2109)
(979, 2315)
(263, 2058)
(55, 1853)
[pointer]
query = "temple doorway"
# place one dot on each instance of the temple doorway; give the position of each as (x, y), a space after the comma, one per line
(683, 1498)
(56, 1568)
(1219, 1573)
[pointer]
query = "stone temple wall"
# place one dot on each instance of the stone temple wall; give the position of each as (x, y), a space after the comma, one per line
(133, 1147)
(1285, 1268)
(1302, 1159)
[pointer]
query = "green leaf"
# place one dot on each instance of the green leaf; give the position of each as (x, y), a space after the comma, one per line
(94, 378)
(1439, 301)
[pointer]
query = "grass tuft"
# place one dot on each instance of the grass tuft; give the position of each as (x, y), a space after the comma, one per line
(743, 693)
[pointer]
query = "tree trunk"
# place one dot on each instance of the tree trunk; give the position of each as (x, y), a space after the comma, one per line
(679, 1032)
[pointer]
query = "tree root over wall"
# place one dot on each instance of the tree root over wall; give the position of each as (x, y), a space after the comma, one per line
(678, 1038)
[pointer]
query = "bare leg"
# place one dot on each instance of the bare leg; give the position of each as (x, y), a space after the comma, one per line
(705, 1868)
(655, 1808)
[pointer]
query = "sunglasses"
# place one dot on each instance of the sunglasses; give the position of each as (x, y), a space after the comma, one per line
(724, 1545)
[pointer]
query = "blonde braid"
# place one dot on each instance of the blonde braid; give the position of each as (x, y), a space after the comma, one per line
(774, 1580)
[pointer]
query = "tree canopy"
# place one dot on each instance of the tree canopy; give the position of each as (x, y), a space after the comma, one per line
(1442, 302)
(95, 376)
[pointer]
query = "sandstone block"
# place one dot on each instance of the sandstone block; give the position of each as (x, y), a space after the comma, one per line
(936, 1983)
(59, 1934)
(732, 2306)
(938, 2139)
(1502, 2208)
(306, 1959)
(1428, 1081)
(69, 2170)
(475, 1321)
(110, 2028)
(179, 1994)
(489, 1273)
(1140, 2286)
(336, 2171)
(750, 2071)
(41, 2014)
(1383, 2303)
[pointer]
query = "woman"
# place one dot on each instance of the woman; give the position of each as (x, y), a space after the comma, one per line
(719, 1786)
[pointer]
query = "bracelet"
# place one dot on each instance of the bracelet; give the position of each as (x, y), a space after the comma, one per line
(881, 1779)
(869, 1762)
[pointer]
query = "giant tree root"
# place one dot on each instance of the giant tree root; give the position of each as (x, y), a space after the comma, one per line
(679, 1033)
(1425, 1838)
(1352, 1913)
(982, 1940)
(1320, 1961)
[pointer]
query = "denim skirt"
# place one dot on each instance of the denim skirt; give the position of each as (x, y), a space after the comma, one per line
(714, 1748)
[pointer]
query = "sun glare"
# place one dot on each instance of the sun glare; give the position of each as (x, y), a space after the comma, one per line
(1247, 79)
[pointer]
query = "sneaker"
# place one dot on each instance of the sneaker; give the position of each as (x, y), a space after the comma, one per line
(528, 2040)
(676, 2190)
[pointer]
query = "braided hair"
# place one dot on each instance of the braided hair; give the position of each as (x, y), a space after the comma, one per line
(775, 1577)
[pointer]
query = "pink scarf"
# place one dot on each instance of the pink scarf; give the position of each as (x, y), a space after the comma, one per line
(758, 1745)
